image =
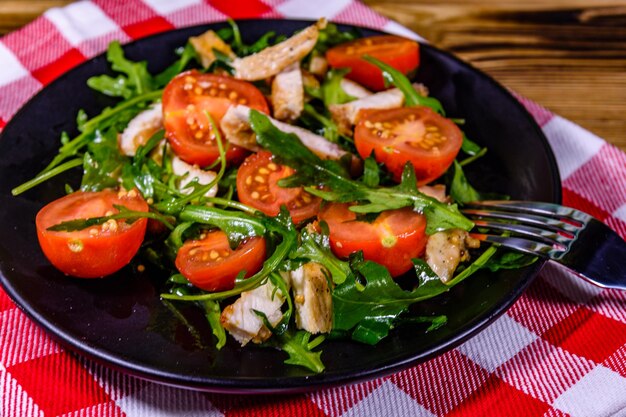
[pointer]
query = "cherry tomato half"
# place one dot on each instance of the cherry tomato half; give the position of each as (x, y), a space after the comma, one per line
(400, 53)
(187, 99)
(257, 187)
(410, 134)
(98, 250)
(392, 239)
(209, 262)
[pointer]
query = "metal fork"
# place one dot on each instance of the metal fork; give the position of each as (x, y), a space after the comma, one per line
(564, 235)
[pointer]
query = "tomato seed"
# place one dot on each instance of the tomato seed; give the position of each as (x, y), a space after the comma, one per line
(260, 179)
(213, 92)
(214, 254)
(232, 95)
(264, 171)
(249, 180)
(198, 91)
(254, 195)
(272, 166)
(93, 232)
(222, 86)
(224, 254)
(190, 79)
(369, 124)
(75, 245)
(187, 86)
(432, 129)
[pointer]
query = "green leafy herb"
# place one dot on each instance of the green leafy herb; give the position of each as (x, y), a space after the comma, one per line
(314, 247)
(212, 312)
(312, 170)
(460, 189)
(124, 214)
(187, 54)
(331, 90)
(371, 308)
(331, 36)
(324, 125)
(299, 347)
(509, 260)
(411, 96)
(136, 79)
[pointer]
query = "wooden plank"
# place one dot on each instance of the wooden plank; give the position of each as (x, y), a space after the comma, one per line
(16, 13)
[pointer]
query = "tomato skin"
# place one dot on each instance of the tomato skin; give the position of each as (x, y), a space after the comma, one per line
(400, 53)
(210, 264)
(269, 195)
(187, 99)
(83, 253)
(408, 140)
(392, 240)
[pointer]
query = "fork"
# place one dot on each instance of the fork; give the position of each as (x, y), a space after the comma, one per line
(561, 234)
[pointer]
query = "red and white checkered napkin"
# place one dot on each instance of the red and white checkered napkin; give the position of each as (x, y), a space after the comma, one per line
(560, 350)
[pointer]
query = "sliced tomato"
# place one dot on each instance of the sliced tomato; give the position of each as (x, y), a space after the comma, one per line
(98, 250)
(186, 101)
(400, 53)
(209, 262)
(410, 134)
(257, 187)
(392, 239)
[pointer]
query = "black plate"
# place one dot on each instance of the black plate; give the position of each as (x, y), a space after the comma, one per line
(120, 320)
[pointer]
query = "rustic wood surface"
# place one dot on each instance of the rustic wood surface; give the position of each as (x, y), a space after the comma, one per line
(568, 55)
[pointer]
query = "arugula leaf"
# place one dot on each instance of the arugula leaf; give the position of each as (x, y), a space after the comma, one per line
(331, 36)
(509, 260)
(469, 146)
(372, 308)
(315, 248)
(135, 81)
(325, 126)
(300, 350)
(371, 172)
(332, 92)
(212, 312)
(232, 35)
(411, 96)
(460, 189)
(124, 214)
(187, 54)
(311, 170)
(238, 226)
(103, 163)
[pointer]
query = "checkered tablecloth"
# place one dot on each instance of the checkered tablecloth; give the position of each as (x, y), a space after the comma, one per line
(560, 350)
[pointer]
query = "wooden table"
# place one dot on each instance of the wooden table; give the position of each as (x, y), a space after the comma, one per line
(568, 55)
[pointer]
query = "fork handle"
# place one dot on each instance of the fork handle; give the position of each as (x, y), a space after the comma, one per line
(599, 256)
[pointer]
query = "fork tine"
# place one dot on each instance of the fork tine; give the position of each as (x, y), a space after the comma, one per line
(529, 219)
(538, 208)
(546, 236)
(523, 245)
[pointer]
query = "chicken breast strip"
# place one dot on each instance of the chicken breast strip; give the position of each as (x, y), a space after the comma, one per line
(345, 115)
(270, 61)
(288, 93)
(241, 321)
(191, 173)
(140, 129)
(312, 298)
(236, 127)
(444, 251)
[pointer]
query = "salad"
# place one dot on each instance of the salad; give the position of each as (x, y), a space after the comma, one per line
(294, 189)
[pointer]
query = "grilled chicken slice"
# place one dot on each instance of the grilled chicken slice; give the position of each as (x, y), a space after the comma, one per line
(206, 43)
(236, 127)
(140, 129)
(318, 65)
(270, 61)
(353, 89)
(191, 173)
(346, 115)
(244, 324)
(312, 298)
(444, 251)
(288, 93)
